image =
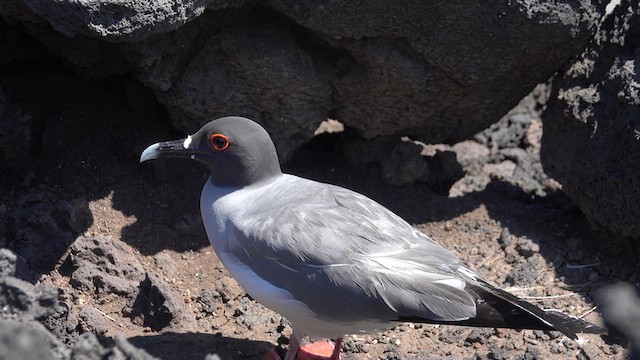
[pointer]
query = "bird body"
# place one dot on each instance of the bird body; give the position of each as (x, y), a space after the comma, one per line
(330, 260)
(284, 256)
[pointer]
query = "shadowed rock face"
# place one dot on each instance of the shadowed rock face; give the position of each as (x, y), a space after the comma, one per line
(437, 71)
(591, 141)
(128, 20)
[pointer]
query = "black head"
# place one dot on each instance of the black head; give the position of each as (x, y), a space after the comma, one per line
(238, 151)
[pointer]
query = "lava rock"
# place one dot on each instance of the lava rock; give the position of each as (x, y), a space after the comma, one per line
(526, 247)
(479, 336)
(404, 164)
(531, 353)
(505, 239)
(92, 320)
(524, 274)
(159, 307)
(444, 168)
(512, 129)
(498, 353)
(15, 45)
(591, 126)
(8, 261)
(23, 299)
(29, 340)
(13, 265)
(249, 313)
(129, 21)
(165, 264)
(415, 75)
(42, 230)
(470, 153)
(590, 352)
(87, 347)
(452, 336)
(123, 349)
(208, 299)
(380, 69)
(248, 70)
(103, 265)
(228, 289)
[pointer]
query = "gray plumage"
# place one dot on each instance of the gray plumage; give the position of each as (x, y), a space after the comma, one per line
(335, 241)
(329, 259)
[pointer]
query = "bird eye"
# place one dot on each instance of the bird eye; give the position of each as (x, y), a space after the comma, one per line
(219, 142)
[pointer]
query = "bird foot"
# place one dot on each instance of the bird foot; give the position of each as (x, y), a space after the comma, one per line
(321, 350)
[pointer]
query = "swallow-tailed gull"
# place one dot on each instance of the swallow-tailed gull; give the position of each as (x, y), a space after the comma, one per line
(330, 260)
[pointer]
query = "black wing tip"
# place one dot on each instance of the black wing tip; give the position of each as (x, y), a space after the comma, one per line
(499, 307)
(571, 326)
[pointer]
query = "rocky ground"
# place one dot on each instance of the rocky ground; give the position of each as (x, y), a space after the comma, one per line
(114, 264)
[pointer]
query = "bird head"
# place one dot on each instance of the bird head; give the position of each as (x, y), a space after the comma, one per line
(237, 151)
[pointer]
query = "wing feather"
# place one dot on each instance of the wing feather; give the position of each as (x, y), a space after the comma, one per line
(370, 262)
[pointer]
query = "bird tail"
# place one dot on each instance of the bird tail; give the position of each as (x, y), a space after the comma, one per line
(497, 305)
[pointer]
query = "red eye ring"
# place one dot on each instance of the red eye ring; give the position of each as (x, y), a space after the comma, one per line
(219, 142)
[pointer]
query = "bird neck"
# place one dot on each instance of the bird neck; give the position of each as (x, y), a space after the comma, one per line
(240, 174)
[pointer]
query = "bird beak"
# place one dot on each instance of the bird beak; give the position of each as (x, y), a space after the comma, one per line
(169, 149)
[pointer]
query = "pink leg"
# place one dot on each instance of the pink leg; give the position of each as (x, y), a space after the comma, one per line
(336, 350)
(294, 345)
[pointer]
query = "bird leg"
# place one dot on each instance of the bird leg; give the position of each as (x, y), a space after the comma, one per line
(336, 349)
(294, 345)
(321, 350)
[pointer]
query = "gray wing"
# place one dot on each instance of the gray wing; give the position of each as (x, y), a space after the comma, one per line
(347, 257)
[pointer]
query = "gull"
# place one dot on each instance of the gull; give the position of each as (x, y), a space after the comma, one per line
(331, 260)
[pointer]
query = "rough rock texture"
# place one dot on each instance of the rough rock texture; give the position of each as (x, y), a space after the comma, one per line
(421, 71)
(13, 265)
(34, 324)
(87, 347)
(441, 71)
(22, 298)
(19, 298)
(158, 307)
(29, 341)
(406, 162)
(22, 306)
(508, 151)
(32, 341)
(591, 141)
(40, 230)
(129, 20)
(102, 265)
(257, 69)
